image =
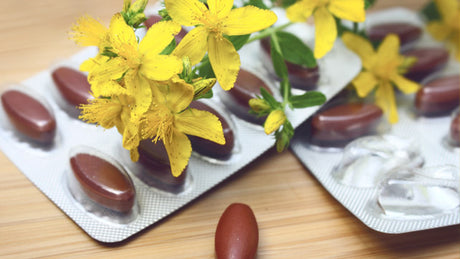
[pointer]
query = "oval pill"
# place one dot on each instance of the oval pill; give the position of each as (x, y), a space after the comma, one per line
(429, 60)
(73, 85)
(439, 96)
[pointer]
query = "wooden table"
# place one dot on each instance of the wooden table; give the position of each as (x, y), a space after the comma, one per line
(297, 218)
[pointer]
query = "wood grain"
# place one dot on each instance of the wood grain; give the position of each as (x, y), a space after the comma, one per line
(297, 218)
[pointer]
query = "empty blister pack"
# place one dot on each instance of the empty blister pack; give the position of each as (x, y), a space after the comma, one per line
(398, 178)
(59, 153)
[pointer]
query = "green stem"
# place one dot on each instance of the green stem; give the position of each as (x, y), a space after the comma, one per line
(268, 32)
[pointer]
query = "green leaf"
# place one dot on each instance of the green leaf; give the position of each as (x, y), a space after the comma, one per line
(269, 98)
(257, 3)
(284, 136)
(287, 3)
(207, 95)
(277, 58)
(369, 3)
(239, 40)
(431, 12)
(169, 49)
(205, 69)
(294, 50)
(308, 99)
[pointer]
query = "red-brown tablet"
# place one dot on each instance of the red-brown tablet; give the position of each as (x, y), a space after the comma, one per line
(429, 60)
(300, 77)
(73, 85)
(338, 125)
(207, 147)
(29, 117)
(454, 133)
(237, 233)
(247, 86)
(103, 182)
(439, 96)
(406, 32)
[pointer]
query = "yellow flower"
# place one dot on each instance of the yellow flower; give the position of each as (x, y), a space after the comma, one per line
(90, 32)
(212, 24)
(381, 70)
(134, 63)
(169, 120)
(325, 26)
(274, 121)
(448, 28)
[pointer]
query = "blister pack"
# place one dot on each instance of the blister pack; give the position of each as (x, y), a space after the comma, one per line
(398, 178)
(41, 134)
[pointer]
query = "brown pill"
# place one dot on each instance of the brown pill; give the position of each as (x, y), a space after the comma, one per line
(439, 96)
(429, 60)
(407, 33)
(29, 116)
(300, 77)
(237, 234)
(156, 170)
(209, 148)
(73, 85)
(104, 183)
(455, 130)
(151, 20)
(247, 86)
(338, 125)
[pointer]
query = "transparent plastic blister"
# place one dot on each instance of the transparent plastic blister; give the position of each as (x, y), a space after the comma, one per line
(407, 177)
(155, 196)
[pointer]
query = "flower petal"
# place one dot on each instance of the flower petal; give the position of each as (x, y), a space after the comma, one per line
(364, 83)
(193, 45)
(112, 69)
(139, 88)
(158, 37)
(385, 99)
(200, 123)
(224, 59)
(448, 9)
(274, 120)
(247, 20)
(388, 51)
(179, 151)
(361, 47)
(179, 95)
(107, 88)
(325, 32)
(88, 31)
(121, 34)
(352, 10)
(220, 7)
(160, 67)
(186, 12)
(438, 30)
(131, 137)
(300, 11)
(405, 85)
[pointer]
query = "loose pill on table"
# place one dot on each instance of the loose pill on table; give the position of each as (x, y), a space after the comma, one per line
(29, 116)
(73, 85)
(103, 182)
(237, 233)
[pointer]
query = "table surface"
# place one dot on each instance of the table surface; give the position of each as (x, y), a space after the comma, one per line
(297, 217)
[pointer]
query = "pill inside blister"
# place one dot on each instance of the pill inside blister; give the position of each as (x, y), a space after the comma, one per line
(209, 148)
(247, 86)
(439, 96)
(299, 76)
(454, 130)
(104, 183)
(29, 116)
(420, 191)
(73, 85)
(367, 160)
(406, 32)
(153, 168)
(429, 60)
(338, 125)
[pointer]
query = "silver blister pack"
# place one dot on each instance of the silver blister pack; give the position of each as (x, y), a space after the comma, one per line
(401, 179)
(49, 168)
